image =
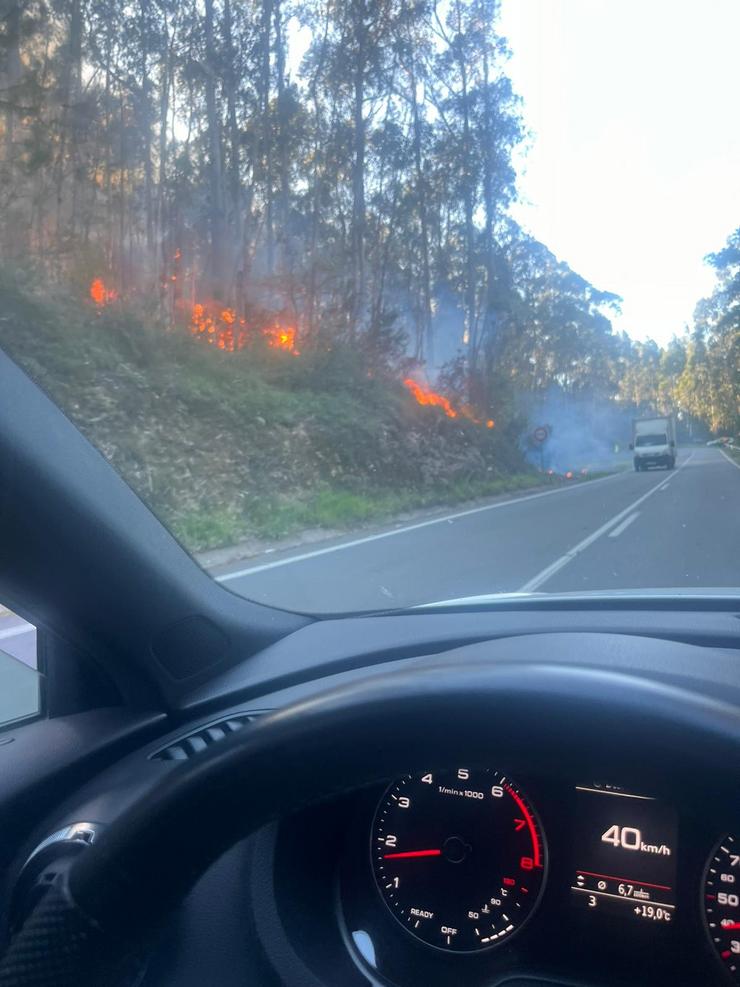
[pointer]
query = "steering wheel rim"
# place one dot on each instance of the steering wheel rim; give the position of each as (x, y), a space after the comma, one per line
(347, 737)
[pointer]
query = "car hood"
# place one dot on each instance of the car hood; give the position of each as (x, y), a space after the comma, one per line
(680, 595)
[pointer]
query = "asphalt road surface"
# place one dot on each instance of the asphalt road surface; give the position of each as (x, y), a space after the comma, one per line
(651, 530)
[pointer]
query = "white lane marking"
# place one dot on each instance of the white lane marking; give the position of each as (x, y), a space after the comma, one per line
(730, 459)
(16, 631)
(409, 527)
(616, 532)
(558, 564)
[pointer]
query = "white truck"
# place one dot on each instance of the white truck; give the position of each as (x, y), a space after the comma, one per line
(654, 442)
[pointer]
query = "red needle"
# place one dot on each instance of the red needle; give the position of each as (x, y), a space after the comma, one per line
(412, 853)
(730, 925)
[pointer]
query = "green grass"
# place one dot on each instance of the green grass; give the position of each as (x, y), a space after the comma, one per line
(336, 509)
(198, 529)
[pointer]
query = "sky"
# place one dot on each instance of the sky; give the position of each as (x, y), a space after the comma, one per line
(632, 173)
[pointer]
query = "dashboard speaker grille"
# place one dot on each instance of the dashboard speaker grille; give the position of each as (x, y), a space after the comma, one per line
(193, 743)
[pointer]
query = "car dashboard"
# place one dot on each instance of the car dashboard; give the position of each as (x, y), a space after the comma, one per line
(558, 868)
(559, 880)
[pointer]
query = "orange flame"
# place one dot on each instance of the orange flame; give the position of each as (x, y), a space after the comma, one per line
(426, 397)
(218, 326)
(279, 338)
(100, 294)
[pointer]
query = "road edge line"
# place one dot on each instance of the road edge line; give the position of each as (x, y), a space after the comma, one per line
(733, 462)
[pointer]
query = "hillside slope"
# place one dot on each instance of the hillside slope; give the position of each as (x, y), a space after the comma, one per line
(260, 442)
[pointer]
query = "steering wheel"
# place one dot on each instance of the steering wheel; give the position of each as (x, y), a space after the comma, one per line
(93, 926)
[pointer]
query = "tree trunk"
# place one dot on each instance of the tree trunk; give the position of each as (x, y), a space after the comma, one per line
(166, 249)
(75, 109)
(267, 136)
(235, 191)
(468, 207)
(489, 313)
(11, 78)
(68, 95)
(286, 259)
(425, 351)
(358, 170)
(215, 169)
(13, 72)
(107, 160)
(122, 205)
(146, 126)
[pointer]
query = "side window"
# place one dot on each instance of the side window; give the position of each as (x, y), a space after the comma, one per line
(20, 682)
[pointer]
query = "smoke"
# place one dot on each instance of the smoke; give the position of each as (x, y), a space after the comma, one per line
(583, 432)
(448, 327)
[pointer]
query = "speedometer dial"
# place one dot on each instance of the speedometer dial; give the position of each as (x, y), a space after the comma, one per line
(458, 856)
(721, 897)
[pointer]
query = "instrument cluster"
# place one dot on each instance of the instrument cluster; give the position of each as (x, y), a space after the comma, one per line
(470, 872)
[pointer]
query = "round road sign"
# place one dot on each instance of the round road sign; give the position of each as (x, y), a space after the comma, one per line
(540, 434)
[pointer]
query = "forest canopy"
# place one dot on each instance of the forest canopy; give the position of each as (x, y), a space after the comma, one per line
(320, 175)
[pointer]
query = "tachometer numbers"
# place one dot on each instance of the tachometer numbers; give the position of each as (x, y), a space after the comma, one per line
(721, 903)
(458, 856)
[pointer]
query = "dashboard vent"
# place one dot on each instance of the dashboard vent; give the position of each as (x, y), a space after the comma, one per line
(197, 741)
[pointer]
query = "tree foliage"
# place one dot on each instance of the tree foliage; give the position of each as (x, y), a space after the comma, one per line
(179, 149)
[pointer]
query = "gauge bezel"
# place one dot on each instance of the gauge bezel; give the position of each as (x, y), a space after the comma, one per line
(544, 849)
(730, 977)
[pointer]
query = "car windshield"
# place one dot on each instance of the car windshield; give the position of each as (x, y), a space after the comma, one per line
(651, 440)
(367, 300)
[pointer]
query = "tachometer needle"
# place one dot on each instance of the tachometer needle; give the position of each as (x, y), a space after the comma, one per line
(728, 924)
(412, 853)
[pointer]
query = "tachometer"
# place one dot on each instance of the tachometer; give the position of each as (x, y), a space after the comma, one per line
(721, 898)
(459, 856)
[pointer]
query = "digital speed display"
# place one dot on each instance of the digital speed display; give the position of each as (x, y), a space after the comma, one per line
(624, 854)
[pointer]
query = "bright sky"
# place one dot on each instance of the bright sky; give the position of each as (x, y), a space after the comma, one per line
(633, 172)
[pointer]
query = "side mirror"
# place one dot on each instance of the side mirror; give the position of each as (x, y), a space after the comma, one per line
(631, 446)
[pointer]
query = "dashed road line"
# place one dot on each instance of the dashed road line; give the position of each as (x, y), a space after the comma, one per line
(616, 532)
(536, 581)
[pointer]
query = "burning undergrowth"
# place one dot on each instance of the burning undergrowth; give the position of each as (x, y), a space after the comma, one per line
(225, 329)
(426, 397)
(221, 447)
(101, 294)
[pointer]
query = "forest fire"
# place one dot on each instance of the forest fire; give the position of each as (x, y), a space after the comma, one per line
(222, 327)
(219, 327)
(279, 338)
(427, 397)
(100, 294)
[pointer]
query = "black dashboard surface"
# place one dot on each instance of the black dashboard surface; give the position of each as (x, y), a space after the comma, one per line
(298, 903)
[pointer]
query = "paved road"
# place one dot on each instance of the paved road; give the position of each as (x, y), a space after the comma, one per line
(630, 531)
